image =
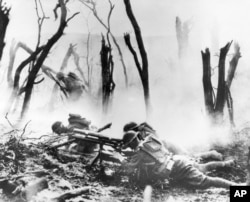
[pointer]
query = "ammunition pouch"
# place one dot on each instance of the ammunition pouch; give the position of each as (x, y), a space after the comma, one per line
(163, 161)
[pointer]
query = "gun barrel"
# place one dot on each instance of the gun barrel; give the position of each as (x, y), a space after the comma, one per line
(96, 140)
(95, 134)
(62, 144)
(104, 127)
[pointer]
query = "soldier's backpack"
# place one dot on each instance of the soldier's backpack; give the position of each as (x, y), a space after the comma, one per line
(75, 120)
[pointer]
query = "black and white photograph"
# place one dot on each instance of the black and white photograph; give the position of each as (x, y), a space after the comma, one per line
(124, 100)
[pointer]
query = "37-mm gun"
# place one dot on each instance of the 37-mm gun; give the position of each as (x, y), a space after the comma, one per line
(97, 138)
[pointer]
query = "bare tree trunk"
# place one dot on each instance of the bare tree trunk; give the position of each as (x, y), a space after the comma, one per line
(4, 21)
(221, 92)
(229, 100)
(66, 58)
(231, 71)
(13, 50)
(87, 59)
(44, 53)
(91, 4)
(36, 59)
(207, 84)
(88, 63)
(215, 105)
(16, 85)
(233, 64)
(143, 68)
(12, 55)
(108, 84)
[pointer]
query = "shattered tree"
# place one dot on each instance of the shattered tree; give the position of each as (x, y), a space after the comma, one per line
(91, 4)
(215, 104)
(142, 68)
(37, 58)
(107, 64)
(108, 84)
(4, 21)
(49, 72)
(12, 54)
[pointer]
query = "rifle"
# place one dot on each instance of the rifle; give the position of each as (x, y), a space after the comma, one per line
(97, 138)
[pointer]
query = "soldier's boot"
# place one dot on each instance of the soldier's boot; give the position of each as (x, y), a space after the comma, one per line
(214, 165)
(210, 154)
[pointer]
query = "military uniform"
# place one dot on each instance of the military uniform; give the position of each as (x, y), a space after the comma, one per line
(72, 85)
(76, 121)
(153, 161)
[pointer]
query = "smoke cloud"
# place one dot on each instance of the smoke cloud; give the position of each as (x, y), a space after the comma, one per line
(175, 85)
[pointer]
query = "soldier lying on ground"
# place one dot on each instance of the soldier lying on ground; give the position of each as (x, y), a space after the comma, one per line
(144, 130)
(76, 121)
(151, 160)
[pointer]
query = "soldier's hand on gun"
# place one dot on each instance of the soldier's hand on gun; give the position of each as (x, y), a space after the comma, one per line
(119, 156)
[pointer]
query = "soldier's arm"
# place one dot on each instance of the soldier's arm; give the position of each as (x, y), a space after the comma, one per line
(133, 162)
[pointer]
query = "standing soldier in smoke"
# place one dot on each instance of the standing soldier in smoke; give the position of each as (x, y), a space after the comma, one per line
(72, 85)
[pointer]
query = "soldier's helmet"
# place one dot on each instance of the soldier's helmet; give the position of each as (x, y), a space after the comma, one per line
(77, 121)
(130, 126)
(128, 137)
(73, 76)
(57, 127)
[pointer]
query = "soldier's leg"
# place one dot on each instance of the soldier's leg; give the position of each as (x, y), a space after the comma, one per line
(210, 154)
(218, 182)
(213, 165)
(186, 173)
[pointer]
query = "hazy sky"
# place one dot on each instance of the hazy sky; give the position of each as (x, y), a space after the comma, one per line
(154, 17)
(230, 17)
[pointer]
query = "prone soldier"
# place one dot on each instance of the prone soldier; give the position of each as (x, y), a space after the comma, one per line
(88, 140)
(151, 160)
(144, 130)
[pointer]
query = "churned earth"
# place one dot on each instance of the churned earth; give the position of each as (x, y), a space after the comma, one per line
(24, 161)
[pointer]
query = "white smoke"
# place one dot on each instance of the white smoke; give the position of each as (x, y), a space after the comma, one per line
(176, 86)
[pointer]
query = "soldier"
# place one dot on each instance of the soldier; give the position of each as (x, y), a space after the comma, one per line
(151, 160)
(72, 84)
(144, 130)
(76, 121)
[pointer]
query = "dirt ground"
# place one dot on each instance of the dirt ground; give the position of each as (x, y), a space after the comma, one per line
(28, 160)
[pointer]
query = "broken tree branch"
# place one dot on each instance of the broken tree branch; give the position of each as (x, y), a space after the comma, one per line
(233, 65)
(206, 79)
(90, 4)
(72, 193)
(128, 43)
(219, 105)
